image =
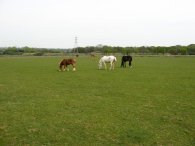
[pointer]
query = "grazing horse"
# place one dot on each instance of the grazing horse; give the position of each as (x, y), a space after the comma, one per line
(124, 59)
(65, 62)
(107, 59)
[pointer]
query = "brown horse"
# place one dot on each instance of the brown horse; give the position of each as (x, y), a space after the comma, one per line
(65, 62)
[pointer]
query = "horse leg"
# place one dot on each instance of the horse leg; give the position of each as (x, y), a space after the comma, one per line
(73, 67)
(122, 64)
(110, 65)
(130, 63)
(65, 66)
(113, 65)
(99, 66)
(105, 66)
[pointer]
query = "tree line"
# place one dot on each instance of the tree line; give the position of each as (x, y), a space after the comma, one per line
(143, 50)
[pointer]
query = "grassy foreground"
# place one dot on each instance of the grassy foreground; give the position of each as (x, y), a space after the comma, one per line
(152, 103)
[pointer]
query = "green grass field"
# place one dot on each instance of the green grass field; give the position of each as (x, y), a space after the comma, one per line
(151, 104)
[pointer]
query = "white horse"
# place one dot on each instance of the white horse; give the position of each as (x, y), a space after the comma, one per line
(107, 59)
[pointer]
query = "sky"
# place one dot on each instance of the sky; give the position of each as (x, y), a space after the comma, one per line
(56, 23)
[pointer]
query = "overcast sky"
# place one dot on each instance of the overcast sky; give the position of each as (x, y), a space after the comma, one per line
(55, 23)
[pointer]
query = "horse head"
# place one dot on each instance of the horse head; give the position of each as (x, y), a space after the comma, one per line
(100, 64)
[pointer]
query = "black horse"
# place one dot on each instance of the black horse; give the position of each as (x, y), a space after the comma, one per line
(124, 59)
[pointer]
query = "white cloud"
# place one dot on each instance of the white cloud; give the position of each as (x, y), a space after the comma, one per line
(55, 23)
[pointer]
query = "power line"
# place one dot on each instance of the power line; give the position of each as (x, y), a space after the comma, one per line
(76, 45)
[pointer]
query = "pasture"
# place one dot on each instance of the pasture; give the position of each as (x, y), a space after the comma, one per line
(152, 103)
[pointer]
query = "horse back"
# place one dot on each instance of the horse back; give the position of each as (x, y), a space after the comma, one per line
(67, 62)
(127, 58)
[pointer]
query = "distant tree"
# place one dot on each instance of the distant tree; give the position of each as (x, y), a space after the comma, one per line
(107, 50)
(123, 51)
(28, 49)
(129, 50)
(183, 50)
(13, 51)
(173, 50)
(191, 49)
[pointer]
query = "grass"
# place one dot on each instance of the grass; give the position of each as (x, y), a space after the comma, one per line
(150, 104)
